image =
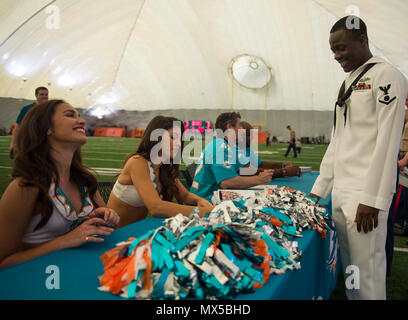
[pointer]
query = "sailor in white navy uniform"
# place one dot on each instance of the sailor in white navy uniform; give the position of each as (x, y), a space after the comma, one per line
(359, 166)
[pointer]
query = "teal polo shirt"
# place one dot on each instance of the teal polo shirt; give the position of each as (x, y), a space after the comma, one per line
(247, 156)
(23, 112)
(218, 162)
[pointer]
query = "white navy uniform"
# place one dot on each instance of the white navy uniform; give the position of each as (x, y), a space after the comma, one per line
(359, 166)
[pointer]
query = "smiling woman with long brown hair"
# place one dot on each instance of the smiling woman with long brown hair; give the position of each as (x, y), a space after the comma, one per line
(51, 191)
(149, 179)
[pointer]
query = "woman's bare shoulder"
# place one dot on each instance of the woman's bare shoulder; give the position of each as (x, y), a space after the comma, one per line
(20, 198)
(20, 184)
(136, 161)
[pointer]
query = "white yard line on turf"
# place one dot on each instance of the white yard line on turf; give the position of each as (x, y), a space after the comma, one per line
(99, 149)
(401, 249)
(104, 152)
(106, 171)
(96, 159)
(267, 152)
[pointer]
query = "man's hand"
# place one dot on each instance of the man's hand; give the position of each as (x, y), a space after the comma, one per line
(203, 203)
(205, 209)
(402, 163)
(366, 217)
(265, 177)
(293, 171)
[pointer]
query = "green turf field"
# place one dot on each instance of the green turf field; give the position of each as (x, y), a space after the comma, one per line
(106, 155)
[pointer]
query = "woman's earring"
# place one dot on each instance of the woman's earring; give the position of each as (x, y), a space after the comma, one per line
(49, 132)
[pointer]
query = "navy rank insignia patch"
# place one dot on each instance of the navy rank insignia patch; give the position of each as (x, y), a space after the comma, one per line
(386, 99)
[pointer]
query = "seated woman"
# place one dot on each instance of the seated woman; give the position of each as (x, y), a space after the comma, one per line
(149, 179)
(51, 191)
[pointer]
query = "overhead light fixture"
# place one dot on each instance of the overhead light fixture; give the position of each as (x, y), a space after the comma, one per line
(250, 71)
(16, 69)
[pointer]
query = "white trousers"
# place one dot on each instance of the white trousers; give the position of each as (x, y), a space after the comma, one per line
(362, 254)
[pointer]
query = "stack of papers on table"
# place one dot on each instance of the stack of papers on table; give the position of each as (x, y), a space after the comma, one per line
(263, 187)
(230, 194)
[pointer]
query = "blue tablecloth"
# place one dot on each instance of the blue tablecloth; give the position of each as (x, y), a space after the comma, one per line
(77, 269)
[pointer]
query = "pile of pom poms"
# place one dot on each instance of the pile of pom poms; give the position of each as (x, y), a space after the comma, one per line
(230, 251)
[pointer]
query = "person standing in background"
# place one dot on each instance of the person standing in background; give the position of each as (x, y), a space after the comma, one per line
(399, 202)
(404, 140)
(41, 95)
(268, 139)
(292, 142)
(298, 146)
(398, 214)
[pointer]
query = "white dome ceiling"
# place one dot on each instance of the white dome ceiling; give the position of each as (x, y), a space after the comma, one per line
(174, 54)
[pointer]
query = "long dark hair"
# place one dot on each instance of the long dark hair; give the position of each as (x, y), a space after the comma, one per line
(168, 173)
(33, 162)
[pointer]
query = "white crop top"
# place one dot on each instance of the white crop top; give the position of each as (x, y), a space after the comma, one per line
(129, 194)
(63, 217)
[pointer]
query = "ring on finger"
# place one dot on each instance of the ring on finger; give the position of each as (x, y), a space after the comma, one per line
(86, 239)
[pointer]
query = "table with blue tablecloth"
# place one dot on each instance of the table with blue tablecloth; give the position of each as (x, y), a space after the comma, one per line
(73, 273)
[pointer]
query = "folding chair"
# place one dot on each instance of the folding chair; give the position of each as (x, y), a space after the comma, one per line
(104, 188)
(188, 174)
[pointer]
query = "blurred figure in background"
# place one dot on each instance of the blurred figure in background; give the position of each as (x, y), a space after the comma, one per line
(298, 146)
(292, 142)
(41, 95)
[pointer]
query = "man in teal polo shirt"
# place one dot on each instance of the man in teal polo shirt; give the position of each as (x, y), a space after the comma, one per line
(218, 165)
(247, 157)
(41, 95)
